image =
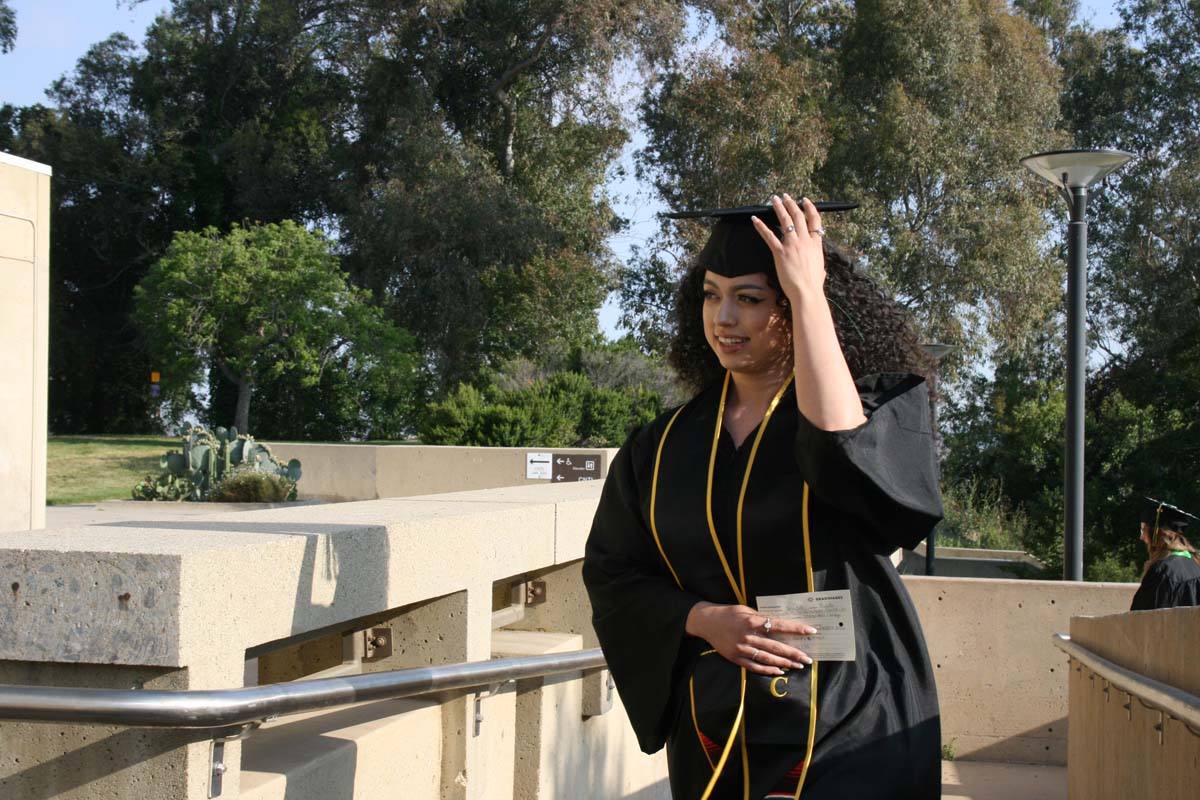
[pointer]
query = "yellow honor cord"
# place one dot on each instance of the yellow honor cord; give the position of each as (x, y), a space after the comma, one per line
(696, 722)
(739, 588)
(812, 679)
(654, 498)
(712, 465)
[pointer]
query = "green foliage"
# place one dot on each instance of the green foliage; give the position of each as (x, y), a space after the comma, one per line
(921, 122)
(977, 515)
(562, 410)
(245, 484)
(207, 458)
(267, 304)
(8, 27)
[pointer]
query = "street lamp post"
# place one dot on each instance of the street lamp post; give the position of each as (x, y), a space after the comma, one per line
(1073, 172)
(937, 352)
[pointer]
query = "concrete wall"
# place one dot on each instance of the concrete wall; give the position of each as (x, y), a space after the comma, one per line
(24, 337)
(370, 472)
(1117, 752)
(184, 604)
(1001, 682)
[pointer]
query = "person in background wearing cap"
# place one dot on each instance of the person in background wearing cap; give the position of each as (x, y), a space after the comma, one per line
(1171, 576)
(804, 460)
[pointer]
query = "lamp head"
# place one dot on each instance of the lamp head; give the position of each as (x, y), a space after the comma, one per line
(1074, 169)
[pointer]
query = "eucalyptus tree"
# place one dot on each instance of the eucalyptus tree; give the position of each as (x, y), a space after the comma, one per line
(918, 110)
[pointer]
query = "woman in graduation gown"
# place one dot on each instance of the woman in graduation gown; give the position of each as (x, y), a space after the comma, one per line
(782, 475)
(1171, 576)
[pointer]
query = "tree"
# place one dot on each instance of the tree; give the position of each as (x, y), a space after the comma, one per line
(262, 303)
(921, 123)
(8, 27)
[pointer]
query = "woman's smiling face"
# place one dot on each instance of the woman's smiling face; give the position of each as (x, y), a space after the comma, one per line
(745, 324)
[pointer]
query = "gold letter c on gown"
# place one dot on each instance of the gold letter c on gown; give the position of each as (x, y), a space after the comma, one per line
(775, 691)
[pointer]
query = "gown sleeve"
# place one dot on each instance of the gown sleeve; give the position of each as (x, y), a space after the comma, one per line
(884, 471)
(638, 610)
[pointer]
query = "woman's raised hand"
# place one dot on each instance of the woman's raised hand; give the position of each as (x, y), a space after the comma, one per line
(799, 256)
(738, 634)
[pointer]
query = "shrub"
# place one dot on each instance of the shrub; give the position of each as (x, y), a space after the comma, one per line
(561, 410)
(978, 516)
(248, 485)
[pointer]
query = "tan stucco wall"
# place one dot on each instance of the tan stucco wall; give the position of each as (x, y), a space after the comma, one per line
(1116, 752)
(370, 472)
(24, 337)
(1002, 684)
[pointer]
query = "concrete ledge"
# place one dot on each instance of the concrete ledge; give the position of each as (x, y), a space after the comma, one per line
(364, 752)
(367, 472)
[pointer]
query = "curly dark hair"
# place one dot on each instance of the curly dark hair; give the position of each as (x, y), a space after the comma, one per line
(876, 333)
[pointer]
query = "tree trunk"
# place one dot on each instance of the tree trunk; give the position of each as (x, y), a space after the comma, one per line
(241, 417)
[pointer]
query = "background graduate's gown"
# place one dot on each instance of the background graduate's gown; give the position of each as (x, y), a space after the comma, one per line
(1172, 582)
(869, 490)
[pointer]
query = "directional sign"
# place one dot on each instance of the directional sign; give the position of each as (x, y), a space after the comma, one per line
(537, 466)
(576, 467)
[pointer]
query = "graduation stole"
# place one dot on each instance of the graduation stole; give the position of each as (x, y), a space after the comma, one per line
(739, 586)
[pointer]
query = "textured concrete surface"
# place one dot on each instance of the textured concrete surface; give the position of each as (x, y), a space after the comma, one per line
(24, 340)
(1002, 684)
(85, 762)
(369, 472)
(1118, 752)
(374, 751)
(563, 755)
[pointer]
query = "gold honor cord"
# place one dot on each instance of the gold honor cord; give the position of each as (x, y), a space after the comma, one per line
(812, 685)
(739, 590)
(696, 722)
(654, 498)
(712, 465)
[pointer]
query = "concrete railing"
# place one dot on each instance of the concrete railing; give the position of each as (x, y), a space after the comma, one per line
(1134, 689)
(261, 597)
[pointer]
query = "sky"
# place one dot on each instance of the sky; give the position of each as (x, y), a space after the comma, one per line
(53, 34)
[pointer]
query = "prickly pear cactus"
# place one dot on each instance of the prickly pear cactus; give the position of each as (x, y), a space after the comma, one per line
(206, 458)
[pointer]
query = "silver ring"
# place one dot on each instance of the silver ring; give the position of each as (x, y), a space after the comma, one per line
(754, 655)
(818, 231)
(766, 626)
(789, 229)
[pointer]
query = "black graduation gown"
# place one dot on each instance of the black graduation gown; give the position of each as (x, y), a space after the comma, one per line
(872, 489)
(1173, 581)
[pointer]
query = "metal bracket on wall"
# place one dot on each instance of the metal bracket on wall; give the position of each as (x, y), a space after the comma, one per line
(482, 693)
(377, 644)
(535, 593)
(219, 767)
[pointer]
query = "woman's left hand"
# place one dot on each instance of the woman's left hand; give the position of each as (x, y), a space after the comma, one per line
(799, 255)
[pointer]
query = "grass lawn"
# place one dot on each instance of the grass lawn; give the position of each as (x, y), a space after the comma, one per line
(87, 469)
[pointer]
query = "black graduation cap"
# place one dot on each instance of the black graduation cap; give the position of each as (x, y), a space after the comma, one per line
(1165, 516)
(734, 247)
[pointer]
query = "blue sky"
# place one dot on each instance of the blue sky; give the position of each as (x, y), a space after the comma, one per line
(53, 34)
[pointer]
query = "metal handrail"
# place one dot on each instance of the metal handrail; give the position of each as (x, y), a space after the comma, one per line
(1176, 703)
(205, 709)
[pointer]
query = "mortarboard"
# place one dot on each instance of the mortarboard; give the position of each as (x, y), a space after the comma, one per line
(734, 247)
(1164, 516)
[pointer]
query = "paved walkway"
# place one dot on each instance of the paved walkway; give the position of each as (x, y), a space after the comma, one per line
(986, 780)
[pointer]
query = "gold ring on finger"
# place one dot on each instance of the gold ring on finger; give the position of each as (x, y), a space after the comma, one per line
(754, 655)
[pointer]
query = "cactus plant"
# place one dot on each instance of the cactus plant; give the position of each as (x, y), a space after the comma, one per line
(206, 458)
